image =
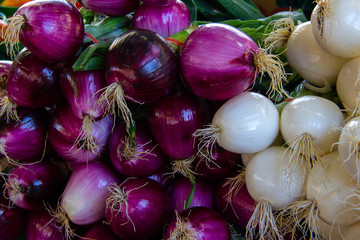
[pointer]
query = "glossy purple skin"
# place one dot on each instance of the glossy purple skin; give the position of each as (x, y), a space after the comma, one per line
(99, 231)
(206, 222)
(12, 219)
(239, 208)
(148, 158)
(40, 181)
(180, 190)
(84, 197)
(64, 128)
(163, 175)
(33, 83)
(144, 64)
(164, 20)
(25, 140)
(114, 8)
(41, 225)
(173, 120)
(158, 2)
(53, 30)
(227, 71)
(149, 208)
(81, 90)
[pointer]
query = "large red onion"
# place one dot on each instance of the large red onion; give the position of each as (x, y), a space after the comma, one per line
(135, 156)
(165, 20)
(114, 8)
(198, 223)
(138, 208)
(29, 185)
(232, 65)
(173, 120)
(53, 30)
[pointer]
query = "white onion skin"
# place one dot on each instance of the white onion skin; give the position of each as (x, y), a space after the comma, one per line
(352, 232)
(340, 32)
(330, 186)
(315, 65)
(265, 178)
(314, 115)
(248, 122)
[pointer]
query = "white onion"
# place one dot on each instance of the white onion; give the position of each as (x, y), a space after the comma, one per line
(335, 24)
(352, 232)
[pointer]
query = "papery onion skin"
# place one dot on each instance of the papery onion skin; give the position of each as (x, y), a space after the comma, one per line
(173, 120)
(164, 20)
(41, 225)
(227, 71)
(25, 141)
(53, 30)
(84, 197)
(180, 189)
(32, 82)
(144, 214)
(144, 64)
(206, 224)
(28, 186)
(12, 219)
(113, 8)
(141, 160)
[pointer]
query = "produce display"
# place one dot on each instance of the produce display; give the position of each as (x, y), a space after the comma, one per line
(179, 120)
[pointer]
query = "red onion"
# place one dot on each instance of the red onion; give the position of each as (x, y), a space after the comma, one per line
(164, 175)
(53, 30)
(12, 220)
(157, 2)
(65, 129)
(41, 225)
(173, 120)
(114, 8)
(29, 185)
(199, 223)
(135, 156)
(233, 200)
(141, 67)
(84, 197)
(165, 20)
(32, 82)
(180, 189)
(5, 66)
(138, 208)
(25, 140)
(231, 67)
(99, 231)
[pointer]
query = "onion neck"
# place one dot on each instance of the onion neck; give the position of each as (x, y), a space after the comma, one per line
(184, 230)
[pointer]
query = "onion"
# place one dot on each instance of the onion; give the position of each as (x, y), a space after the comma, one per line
(64, 130)
(173, 120)
(12, 219)
(352, 232)
(334, 24)
(164, 175)
(232, 66)
(29, 185)
(138, 208)
(165, 20)
(114, 8)
(98, 231)
(198, 223)
(135, 156)
(157, 2)
(141, 67)
(180, 189)
(5, 66)
(49, 35)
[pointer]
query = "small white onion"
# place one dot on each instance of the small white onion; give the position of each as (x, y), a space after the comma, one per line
(352, 232)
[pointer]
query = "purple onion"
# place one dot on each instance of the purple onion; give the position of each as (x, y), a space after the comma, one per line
(29, 185)
(138, 208)
(25, 140)
(165, 20)
(4, 72)
(164, 175)
(173, 120)
(227, 71)
(180, 189)
(41, 225)
(157, 2)
(98, 231)
(114, 8)
(198, 223)
(12, 219)
(84, 197)
(33, 83)
(53, 30)
(136, 156)
(64, 130)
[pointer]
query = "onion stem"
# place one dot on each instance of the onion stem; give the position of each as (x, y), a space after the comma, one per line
(8, 109)
(278, 37)
(11, 34)
(191, 194)
(183, 230)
